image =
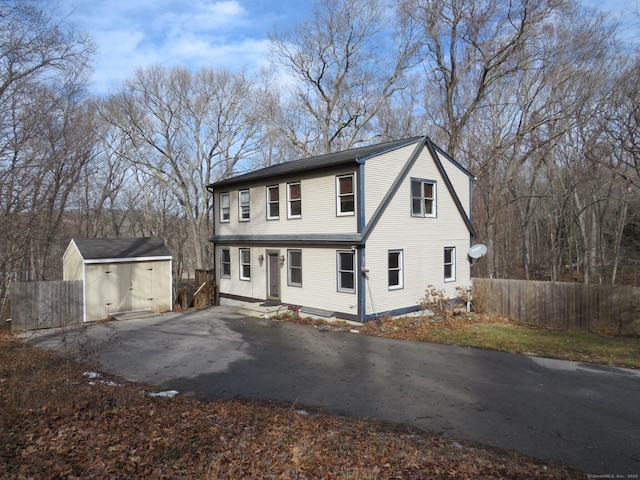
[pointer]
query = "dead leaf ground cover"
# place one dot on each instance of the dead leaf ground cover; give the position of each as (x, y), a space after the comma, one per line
(58, 423)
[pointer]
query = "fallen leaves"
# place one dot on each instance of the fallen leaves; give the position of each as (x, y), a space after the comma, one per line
(68, 428)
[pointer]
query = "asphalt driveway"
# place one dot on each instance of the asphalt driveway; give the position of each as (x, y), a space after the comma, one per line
(587, 416)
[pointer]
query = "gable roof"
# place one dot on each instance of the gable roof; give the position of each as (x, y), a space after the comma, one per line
(355, 155)
(121, 248)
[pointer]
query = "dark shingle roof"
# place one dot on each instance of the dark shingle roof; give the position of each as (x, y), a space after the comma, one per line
(140, 247)
(314, 163)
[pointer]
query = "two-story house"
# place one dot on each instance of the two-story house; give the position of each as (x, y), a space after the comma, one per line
(354, 234)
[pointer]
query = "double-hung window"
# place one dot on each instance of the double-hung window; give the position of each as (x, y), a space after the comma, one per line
(346, 198)
(423, 198)
(224, 207)
(395, 269)
(245, 264)
(346, 271)
(225, 263)
(273, 202)
(449, 264)
(243, 205)
(295, 268)
(294, 200)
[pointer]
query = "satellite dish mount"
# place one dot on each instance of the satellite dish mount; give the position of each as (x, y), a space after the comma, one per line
(476, 252)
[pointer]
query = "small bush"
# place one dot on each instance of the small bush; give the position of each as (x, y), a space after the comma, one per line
(436, 301)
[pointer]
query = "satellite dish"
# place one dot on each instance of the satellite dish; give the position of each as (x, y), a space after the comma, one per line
(477, 251)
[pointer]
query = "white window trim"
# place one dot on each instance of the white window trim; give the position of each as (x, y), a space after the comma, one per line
(400, 269)
(222, 207)
(289, 266)
(453, 264)
(240, 218)
(338, 271)
(422, 213)
(289, 185)
(269, 217)
(340, 213)
(222, 274)
(243, 264)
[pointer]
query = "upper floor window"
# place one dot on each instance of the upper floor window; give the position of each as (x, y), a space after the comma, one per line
(295, 267)
(225, 263)
(395, 269)
(345, 195)
(243, 205)
(449, 264)
(423, 198)
(224, 207)
(273, 202)
(294, 200)
(346, 271)
(245, 264)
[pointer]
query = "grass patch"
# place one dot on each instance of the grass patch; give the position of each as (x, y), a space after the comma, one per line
(507, 336)
(577, 346)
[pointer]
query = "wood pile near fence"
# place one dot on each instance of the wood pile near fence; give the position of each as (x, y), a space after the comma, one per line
(36, 305)
(562, 305)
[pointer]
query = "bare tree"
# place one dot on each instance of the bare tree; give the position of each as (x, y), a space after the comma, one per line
(471, 48)
(342, 64)
(45, 136)
(187, 130)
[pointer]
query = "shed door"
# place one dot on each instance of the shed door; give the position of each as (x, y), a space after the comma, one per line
(141, 285)
(118, 287)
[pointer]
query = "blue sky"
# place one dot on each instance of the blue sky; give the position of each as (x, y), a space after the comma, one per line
(196, 33)
(192, 33)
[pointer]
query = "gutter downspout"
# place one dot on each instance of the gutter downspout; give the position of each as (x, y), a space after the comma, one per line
(216, 295)
(360, 252)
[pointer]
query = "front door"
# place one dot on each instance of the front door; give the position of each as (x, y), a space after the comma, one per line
(273, 273)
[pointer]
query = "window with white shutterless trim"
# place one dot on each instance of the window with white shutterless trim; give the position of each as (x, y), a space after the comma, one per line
(294, 200)
(449, 264)
(346, 271)
(273, 202)
(345, 195)
(244, 205)
(294, 266)
(245, 264)
(423, 198)
(225, 263)
(224, 207)
(395, 268)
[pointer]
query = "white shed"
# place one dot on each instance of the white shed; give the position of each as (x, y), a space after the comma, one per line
(120, 274)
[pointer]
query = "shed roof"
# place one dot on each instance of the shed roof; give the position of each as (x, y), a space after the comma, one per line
(313, 163)
(121, 248)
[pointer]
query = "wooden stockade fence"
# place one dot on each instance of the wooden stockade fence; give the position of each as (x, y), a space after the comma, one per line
(562, 305)
(37, 305)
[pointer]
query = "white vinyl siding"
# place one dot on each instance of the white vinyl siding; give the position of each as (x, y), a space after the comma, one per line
(422, 244)
(317, 200)
(318, 274)
(380, 173)
(224, 207)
